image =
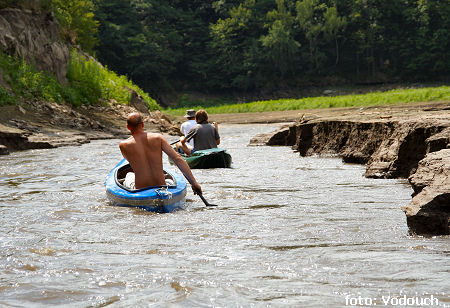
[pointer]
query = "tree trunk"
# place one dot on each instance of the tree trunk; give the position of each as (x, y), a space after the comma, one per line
(337, 50)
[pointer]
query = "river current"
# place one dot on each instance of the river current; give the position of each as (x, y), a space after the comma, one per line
(289, 231)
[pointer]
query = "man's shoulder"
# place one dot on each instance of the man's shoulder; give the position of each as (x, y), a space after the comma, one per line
(155, 137)
(189, 123)
(126, 141)
(206, 125)
(195, 127)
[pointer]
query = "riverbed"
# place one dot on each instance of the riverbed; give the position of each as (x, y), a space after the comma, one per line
(289, 231)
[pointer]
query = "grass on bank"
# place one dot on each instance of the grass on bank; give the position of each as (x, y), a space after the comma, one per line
(26, 82)
(89, 83)
(398, 96)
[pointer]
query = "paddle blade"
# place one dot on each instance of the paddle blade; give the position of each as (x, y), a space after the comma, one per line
(206, 202)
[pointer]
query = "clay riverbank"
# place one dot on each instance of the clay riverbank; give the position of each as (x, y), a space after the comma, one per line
(38, 125)
(403, 141)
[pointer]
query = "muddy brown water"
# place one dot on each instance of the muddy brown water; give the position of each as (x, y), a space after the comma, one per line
(288, 232)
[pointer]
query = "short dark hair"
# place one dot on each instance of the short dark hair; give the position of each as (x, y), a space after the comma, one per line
(134, 120)
(201, 116)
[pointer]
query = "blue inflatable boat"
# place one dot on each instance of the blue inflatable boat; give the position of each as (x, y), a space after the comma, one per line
(161, 199)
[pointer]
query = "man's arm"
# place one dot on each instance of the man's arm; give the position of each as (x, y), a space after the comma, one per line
(182, 165)
(122, 149)
(216, 133)
(191, 134)
(186, 149)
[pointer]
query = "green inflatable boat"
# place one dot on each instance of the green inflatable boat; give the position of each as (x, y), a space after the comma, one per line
(210, 158)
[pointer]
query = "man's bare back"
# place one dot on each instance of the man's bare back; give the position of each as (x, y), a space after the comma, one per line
(144, 153)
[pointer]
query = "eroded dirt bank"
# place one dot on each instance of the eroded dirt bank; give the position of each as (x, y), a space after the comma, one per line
(38, 125)
(393, 142)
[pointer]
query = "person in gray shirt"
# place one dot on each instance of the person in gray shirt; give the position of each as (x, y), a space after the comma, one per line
(205, 135)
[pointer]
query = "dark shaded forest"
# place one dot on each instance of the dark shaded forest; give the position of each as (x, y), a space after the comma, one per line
(259, 46)
(229, 45)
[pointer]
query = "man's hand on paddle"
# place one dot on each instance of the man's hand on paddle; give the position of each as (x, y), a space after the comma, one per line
(196, 188)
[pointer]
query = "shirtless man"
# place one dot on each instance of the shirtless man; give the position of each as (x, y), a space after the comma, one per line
(144, 153)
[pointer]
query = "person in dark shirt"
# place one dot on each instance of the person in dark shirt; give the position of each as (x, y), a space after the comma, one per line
(204, 134)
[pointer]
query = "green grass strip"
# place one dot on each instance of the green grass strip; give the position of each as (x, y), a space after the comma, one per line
(397, 96)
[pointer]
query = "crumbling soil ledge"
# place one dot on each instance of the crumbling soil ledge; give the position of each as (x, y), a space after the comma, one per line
(39, 125)
(392, 144)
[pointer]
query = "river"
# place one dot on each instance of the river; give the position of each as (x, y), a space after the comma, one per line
(289, 231)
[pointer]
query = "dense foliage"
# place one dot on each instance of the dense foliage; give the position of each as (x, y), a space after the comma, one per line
(77, 23)
(92, 83)
(248, 44)
(27, 82)
(89, 83)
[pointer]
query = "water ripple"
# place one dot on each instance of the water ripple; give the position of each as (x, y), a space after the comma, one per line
(288, 232)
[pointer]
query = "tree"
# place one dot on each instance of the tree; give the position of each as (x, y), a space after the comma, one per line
(233, 40)
(424, 51)
(310, 18)
(333, 25)
(368, 33)
(281, 47)
(247, 45)
(77, 23)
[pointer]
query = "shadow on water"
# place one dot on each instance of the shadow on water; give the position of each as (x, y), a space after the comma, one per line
(266, 206)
